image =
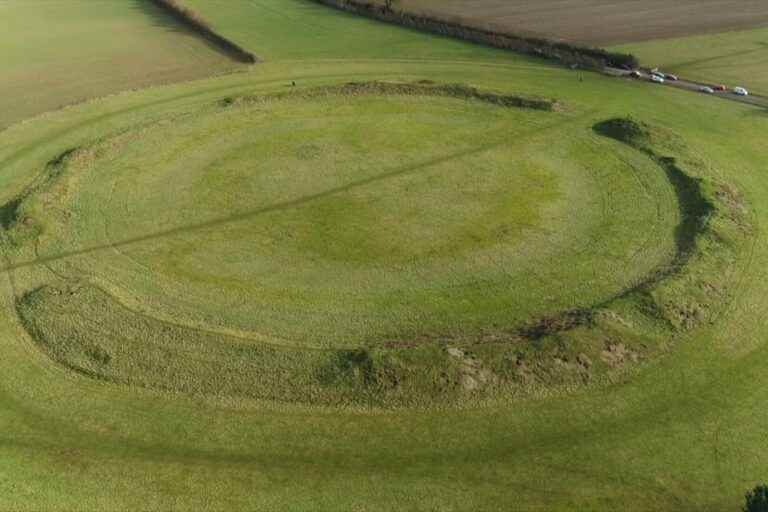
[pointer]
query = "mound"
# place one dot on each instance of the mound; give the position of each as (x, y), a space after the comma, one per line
(370, 244)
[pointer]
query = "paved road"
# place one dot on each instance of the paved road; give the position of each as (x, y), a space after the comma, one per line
(690, 85)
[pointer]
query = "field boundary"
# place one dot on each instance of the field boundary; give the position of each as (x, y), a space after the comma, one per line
(193, 20)
(565, 53)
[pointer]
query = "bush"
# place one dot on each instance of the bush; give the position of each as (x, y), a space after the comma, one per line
(757, 499)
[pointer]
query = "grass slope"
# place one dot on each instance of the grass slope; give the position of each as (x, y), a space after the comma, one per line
(684, 433)
(56, 53)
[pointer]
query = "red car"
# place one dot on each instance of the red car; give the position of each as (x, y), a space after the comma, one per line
(719, 88)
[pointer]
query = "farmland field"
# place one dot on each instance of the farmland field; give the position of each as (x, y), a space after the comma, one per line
(128, 44)
(598, 22)
(382, 270)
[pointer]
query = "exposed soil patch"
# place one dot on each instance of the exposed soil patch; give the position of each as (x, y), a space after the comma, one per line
(617, 355)
(473, 375)
(547, 326)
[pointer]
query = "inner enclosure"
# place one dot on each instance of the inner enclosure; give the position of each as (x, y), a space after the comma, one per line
(336, 221)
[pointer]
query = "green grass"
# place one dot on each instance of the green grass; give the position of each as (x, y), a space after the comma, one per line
(355, 219)
(57, 53)
(359, 218)
(732, 58)
(297, 30)
(680, 432)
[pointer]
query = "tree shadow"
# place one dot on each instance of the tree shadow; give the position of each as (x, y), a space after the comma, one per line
(161, 19)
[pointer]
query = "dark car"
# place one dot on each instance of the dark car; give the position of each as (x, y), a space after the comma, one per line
(719, 87)
(672, 77)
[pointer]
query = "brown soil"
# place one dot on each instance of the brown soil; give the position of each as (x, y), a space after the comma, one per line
(597, 22)
(616, 355)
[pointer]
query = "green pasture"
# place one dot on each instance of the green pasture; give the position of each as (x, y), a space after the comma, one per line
(55, 53)
(160, 247)
(733, 58)
(297, 30)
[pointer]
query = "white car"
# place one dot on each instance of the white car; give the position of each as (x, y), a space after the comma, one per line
(740, 91)
(657, 79)
(707, 90)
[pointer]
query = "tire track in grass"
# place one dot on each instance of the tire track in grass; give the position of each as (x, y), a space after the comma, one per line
(600, 148)
(396, 173)
(117, 246)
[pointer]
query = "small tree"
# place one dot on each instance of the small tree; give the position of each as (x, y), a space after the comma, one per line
(389, 4)
(757, 499)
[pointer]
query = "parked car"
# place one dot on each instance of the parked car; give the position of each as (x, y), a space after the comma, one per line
(658, 74)
(669, 76)
(740, 91)
(719, 87)
(635, 74)
(706, 89)
(657, 79)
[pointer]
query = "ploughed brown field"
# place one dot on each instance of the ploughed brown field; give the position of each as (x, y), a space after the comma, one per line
(598, 22)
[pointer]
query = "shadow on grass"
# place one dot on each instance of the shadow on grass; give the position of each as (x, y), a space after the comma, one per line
(161, 19)
(693, 206)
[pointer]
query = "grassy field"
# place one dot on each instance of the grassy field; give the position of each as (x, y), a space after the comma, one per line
(733, 58)
(299, 30)
(424, 224)
(128, 44)
(244, 196)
